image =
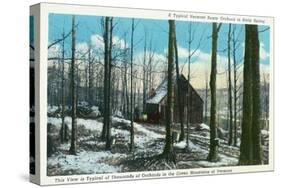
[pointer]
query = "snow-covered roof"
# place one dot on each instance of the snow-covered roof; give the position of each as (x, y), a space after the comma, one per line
(160, 93)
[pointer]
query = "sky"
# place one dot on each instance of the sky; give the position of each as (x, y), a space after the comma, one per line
(156, 32)
(31, 30)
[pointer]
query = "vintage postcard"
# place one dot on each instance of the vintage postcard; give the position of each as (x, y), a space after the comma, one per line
(127, 94)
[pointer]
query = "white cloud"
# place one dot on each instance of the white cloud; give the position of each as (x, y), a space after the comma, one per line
(97, 41)
(157, 57)
(119, 42)
(182, 52)
(54, 51)
(263, 53)
(201, 63)
(201, 66)
(82, 47)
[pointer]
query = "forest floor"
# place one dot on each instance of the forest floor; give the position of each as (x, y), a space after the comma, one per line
(149, 142)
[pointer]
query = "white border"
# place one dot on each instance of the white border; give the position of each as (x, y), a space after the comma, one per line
(46, 8)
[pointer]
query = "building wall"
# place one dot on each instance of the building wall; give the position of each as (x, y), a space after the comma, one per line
(194, 113)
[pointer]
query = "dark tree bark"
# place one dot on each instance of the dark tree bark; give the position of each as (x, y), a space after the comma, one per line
(63, 131)
(188, 101)
(179, 93)
(124, 88)
(127, 110)
(213, 150)
(230, 130)
(106, 132)
(131, 106)
(105, 80)
(235, 79)
(168, 149)
(144, 78)
(256, 124)
(250, 147)
(73, 146)
(108, 128)
(246, 142)
(90, 77)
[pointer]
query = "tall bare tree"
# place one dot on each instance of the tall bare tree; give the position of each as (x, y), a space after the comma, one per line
(230, 130)
(179, 93)
(106, 132)
(250, 147)
(63, 131)
(109, 111)
(168, 149)
(256, 124)
(213, 149)
(73, 146)
(144, 83)
(235, 92)
(131, 91)
(90, 75)
(191, 52)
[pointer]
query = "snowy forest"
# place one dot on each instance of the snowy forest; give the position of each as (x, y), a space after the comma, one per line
(130, 94)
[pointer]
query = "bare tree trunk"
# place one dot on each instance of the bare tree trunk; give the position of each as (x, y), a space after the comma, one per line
(250, 148)
(213, 150)
(106, 131)
(179, 94)
(106, 72)
(73, 146)
(77, 84)
(116, 96)
(108, 128)
(126, 93)
(234, 88)
(90, 81)
(63, 131)
(168, 149)
(188, 101)
(230, 131)
(245, 157)
(132, 110)
(256, 124)
(149, 71)
(144, 78)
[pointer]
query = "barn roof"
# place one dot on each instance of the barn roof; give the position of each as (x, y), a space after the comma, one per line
(161, 91)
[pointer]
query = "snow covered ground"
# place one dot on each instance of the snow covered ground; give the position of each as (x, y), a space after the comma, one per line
(52, 109)
(87, 161)
(149, 142)
(224, 160)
